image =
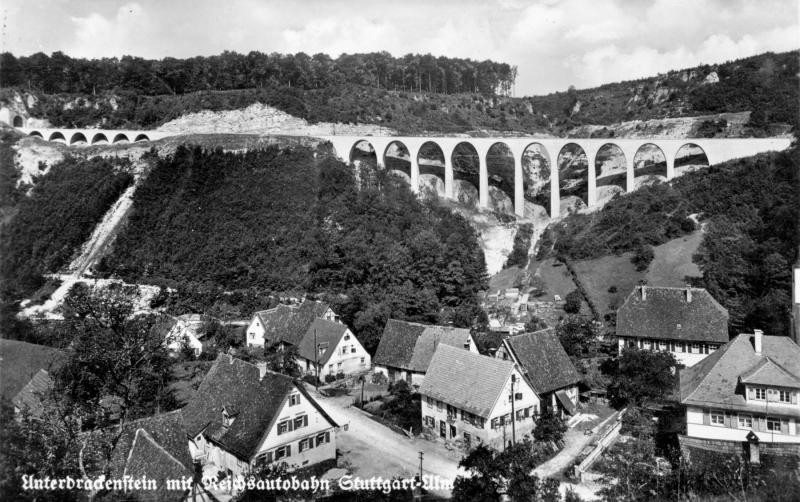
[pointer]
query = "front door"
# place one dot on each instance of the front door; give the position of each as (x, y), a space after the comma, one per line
(443, 429)
(453, 431)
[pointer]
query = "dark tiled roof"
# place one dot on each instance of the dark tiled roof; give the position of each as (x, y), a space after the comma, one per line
(768, 372)
(544, 360)
(20, 361)
(237, 385)
(302, 318)
(327, 334)
(410, 345)
(715, 380)
(466, 380)
(666, 314)
(275, 321)
(154, 447)
(30, 397)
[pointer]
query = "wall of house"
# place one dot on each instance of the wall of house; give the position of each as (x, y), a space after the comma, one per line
(698, 426)
(349, 363)
(255, 333)
(316, 423)
(399, 374)
(691, 356)
(496, 436)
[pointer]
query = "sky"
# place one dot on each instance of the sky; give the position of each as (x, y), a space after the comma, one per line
(554, 44)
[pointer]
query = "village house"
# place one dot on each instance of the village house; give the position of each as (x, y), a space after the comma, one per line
(546, 367)
(330, 348)
(746, 391)
(243, 414)
(469, 399)
(152, 448)
(687, 322)
(184, 331)
(286, 324)
(406, 348)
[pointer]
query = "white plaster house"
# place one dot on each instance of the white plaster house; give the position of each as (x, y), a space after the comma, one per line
(749, 386)
(286, 324)
(406, 348)
(243, 414)
(337, 350)
(467, 398)
(687, 322)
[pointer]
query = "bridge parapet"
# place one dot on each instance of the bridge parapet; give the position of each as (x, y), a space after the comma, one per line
(85, 137)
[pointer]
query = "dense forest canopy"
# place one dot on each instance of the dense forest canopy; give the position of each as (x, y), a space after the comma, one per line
(749, 208)
(208, 222)
(411, 94)
(59, 73)
(41, 230)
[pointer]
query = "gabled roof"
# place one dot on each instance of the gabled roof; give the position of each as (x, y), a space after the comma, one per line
(410, 345)
(237, 385)
(543, 360)
(667, 314)
(327, 335)
(20, 361)
(768, 372)
(275, 320)
(154, 447)
(466, 380)
(30, 397)
(715, 381)
(302, 318)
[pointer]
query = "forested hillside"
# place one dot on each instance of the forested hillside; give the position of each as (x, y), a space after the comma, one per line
(227, 230)
(411, 94)
(40, 231)
(750, 209)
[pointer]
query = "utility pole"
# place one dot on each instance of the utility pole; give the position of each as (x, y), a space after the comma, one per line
(513, 415)
(421, 454)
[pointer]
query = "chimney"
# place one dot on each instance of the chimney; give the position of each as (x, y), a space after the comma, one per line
(262, 370)
(688, 295)
(644, 292)
(757, 335)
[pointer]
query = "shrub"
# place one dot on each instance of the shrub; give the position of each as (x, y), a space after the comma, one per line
(330, 378)
(573, 302)
(643, 256)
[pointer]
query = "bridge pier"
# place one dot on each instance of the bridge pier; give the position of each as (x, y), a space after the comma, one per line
(519, 186)
(483, 178)
(591, 156)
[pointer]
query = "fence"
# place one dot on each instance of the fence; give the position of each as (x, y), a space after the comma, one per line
(608, 437)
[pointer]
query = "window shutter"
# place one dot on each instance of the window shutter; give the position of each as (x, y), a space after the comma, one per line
(327, 437)
(305, 420)
(784, 426)
(291, 425)
(750, 393)
(706, 417)
(288, 450)
(760, 424)
(794, 397)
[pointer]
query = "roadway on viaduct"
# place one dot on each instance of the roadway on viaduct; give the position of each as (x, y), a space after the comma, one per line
(717, 150)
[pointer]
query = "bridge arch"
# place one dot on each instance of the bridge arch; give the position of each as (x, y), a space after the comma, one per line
(18, 121)
(98, 138)
(611, 167)
(466, 173)
(690, 157)
(78, 139)
(57, 137)
(536, 175)
(120, 138)
(36, 133)
(649, 165)
(397, 159)
(431, 162)
(573, 178)
(500, 170)
(141, 137)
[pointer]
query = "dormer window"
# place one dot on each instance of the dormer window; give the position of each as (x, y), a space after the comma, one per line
(346, 337)
(227, 417)
(760, 393)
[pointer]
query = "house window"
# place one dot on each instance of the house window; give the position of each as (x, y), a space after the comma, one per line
(773, 424)
(645, 344)
(705, 348)
(429, 401)
(760, 393)
(284, 427)
(520, 415)
(352, 349)
(265, 457)
(429, 422)
(330, 367)
(339, 365)
(784, 397)
(518, 396)
(695, 348)
(362, 361)
(305, 444)
(323, 437)
(346, 337)
(439, 406)
(662, 345)
(683, 347)
(283, 451)
(717, 419)
(301, 421)
(294, 399)
(745, 422)
(467, 438)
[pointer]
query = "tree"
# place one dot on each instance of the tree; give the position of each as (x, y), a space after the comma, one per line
(114, 353)
(577, 336)
(642, 256)
(573, 301)
(283, 359)
(640, 375)
(549, 427)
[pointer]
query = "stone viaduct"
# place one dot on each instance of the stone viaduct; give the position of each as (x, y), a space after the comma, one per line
(715, 150)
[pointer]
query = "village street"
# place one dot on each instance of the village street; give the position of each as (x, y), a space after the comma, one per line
(372, 449)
